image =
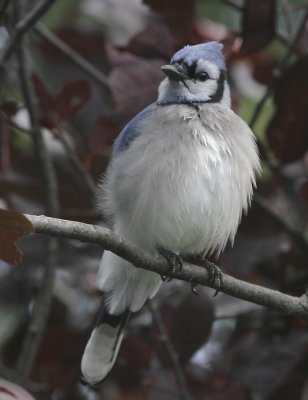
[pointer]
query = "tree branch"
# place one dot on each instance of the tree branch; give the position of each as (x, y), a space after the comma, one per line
(269, 90)
(76, 58)
(296, 235)
(196, 273)
(280, 67)
(23, 26)
(42, 303)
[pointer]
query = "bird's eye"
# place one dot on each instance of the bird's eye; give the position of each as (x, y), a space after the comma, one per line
(203, 76)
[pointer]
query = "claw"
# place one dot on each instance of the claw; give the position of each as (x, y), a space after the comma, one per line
(193, 287)
(215, 275)
(174, 260)
(166, 278)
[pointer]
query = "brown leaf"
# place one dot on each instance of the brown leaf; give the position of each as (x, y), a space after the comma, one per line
(58, 357)
(89, 44)
(287, 132)
(62, 107)
(73, 96)
(258, 24)
(155, 41)
(180, 17)
(102, 135)
(303, 192)
(134, 83)
(13, 226)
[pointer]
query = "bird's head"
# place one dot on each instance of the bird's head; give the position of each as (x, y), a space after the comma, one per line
(196, 74)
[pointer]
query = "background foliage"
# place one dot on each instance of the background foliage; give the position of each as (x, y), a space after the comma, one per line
(77, 77)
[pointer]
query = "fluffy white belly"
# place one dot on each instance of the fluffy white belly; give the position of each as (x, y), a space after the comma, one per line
(182, 188)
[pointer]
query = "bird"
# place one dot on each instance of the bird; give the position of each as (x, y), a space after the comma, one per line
(182, 173)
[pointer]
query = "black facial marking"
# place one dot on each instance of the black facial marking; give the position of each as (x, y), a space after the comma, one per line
(190, 70)
(217, 96)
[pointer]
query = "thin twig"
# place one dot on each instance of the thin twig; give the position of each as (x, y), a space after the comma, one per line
(295, 234)
(87, 178)
(23, 26)
(41, 307)
(39, 317)
(281, 66)
(48, 173)
(81, 62)
(196, 273)
(259, 107)
(180, 377)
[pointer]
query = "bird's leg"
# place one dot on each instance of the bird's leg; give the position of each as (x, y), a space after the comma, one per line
(174, 261)
(215, 275)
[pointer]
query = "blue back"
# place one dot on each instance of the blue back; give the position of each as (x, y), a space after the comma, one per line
(131, 130)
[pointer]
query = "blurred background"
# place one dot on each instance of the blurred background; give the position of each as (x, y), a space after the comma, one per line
(72, 74)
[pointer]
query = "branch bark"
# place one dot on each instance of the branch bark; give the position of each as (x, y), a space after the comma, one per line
(42, 303)
(194, 270)
(24, 25)
(180, 376)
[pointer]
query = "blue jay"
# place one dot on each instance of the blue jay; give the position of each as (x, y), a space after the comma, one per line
(181, 174)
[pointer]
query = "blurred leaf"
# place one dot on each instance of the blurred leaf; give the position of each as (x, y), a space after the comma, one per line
(9, 107)
(136, 352)
(264, 356)
(260, 239)
(155, 41)
(58, 360)
(133, 83)
(72, 98)
(303, 192)
(192, 325)
(287, 132)
(132, 383)
(258, 24)
(180, 16)
(13, 226)
(216, 386)
(303, 40)
(89, 44)
(5, 148)
(264, 65)
(62, 12)
(11, 391)
(102, 135)
(56, 109)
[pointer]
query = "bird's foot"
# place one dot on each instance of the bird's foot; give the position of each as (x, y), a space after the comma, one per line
(215, 275)
(193, 287)
(174, 260)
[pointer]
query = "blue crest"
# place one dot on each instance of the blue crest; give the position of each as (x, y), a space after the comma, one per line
(211, 51)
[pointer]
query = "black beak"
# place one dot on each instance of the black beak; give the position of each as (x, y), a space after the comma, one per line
(173, 73)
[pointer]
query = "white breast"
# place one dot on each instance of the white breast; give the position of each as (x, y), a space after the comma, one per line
(185, 181)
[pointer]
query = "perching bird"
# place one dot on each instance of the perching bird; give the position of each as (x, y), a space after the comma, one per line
(182, 172)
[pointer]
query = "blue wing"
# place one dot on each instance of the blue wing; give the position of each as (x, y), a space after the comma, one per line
(131, 130)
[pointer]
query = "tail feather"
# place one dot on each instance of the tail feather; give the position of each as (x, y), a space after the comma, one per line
(103, 346)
